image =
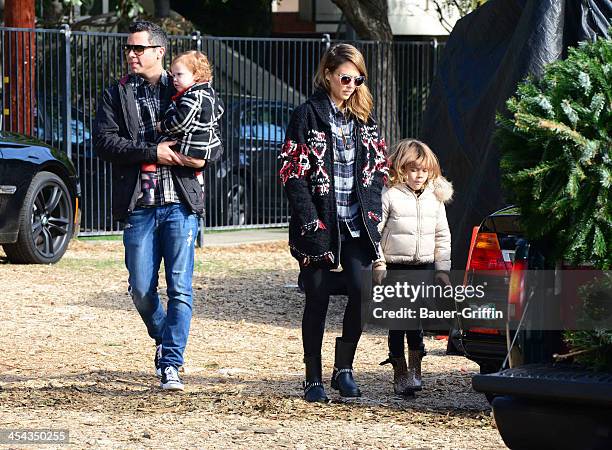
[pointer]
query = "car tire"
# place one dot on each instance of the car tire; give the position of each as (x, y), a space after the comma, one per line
(46, 222)
(236, 204)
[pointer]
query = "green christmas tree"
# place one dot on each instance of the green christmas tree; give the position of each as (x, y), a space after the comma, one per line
(557, 168)
(593, 347)
(556, 154)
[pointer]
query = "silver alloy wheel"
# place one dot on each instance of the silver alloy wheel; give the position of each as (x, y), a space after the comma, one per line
(50, 219)
(45, 222)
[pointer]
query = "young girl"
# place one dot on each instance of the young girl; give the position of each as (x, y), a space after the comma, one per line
(415, 236)
(193, 117)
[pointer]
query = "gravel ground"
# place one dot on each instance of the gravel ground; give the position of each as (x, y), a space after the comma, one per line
(75, 355)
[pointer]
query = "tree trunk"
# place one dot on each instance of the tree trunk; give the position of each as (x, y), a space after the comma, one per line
(162, 8)
(370, 19)
(18, 61)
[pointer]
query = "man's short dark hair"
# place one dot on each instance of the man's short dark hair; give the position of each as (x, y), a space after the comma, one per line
(157, 36)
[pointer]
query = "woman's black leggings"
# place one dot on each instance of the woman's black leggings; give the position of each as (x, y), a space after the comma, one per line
(414, 338)
(355, 258)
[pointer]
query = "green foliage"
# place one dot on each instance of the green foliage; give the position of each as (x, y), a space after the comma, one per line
(594, 346)
(70, 11)
(556, 154)
(129, 9)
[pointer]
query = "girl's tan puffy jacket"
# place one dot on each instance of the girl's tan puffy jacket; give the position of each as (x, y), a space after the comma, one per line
(414, 229)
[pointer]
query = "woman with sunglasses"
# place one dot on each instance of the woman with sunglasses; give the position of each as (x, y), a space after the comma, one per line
(333, 170)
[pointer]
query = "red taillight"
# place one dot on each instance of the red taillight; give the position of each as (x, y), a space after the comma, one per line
(481, 330)
(486, 254)
(516, 292)
(472, 240)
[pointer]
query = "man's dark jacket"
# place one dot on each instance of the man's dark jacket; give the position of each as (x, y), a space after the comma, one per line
(307, 174)
(115, 141)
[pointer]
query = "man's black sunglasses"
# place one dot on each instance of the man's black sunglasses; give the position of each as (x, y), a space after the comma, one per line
(138, 49)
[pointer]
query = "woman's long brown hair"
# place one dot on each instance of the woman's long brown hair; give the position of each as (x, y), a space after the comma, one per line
(360, 103)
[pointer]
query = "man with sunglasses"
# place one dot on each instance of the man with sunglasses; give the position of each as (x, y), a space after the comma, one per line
(126, 135)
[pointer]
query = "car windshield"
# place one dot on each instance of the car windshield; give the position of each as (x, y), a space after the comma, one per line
(49, 126)
(265, 122)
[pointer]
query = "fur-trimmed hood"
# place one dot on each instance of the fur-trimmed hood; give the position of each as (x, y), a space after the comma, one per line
(442, 188)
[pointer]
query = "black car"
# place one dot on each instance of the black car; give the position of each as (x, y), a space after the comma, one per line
(244, 188)
(39, 200)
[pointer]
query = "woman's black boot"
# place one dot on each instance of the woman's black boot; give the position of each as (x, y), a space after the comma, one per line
(342, 377)
(313, 386)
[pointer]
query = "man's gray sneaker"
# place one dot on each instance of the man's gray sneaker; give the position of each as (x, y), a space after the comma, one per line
(170, 380)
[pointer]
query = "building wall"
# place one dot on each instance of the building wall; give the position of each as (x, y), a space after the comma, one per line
(285, 6)
(406, 17)
(417, 18)
(287, 20)
(305, 9)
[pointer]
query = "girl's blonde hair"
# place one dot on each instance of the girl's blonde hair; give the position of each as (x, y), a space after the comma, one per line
(360, 103)
(197, 63)
(408, 153)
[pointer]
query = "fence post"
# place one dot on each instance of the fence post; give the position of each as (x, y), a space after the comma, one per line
(326, 40)
(66, 110)
(4, 111)
(434, 43)
(197, 37)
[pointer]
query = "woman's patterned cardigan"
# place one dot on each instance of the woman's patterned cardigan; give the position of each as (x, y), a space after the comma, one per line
(307, 175)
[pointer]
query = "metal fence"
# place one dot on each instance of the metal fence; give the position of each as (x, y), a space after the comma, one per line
(53, 78)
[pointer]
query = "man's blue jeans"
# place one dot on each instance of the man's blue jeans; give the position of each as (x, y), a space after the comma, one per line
(150, 234)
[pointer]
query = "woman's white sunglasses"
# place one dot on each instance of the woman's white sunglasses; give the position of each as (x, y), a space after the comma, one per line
(345, 80)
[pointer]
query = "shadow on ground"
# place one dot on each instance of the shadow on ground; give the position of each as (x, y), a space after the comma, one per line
(127, 392)
(270, 299)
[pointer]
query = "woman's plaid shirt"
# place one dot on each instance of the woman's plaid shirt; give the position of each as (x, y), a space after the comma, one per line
(343, 137)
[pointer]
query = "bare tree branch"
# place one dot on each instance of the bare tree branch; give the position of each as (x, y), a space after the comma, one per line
(462, 11)
(441, 18)
(463, 7)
